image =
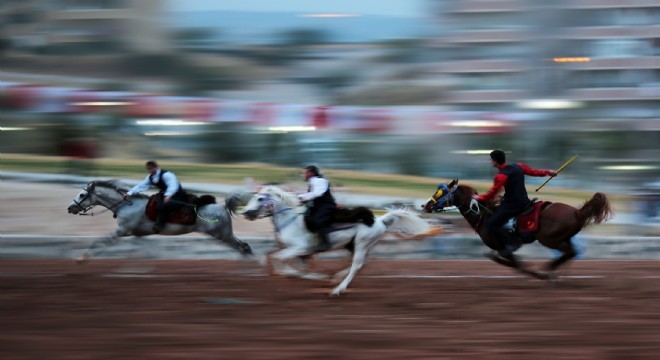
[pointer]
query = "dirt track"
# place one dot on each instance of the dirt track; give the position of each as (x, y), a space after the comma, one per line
(231, 310)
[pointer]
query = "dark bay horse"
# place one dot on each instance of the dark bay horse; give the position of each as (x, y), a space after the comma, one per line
(557, 223)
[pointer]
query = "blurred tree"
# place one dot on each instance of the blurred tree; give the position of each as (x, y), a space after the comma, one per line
(196, 37)
(304, 37)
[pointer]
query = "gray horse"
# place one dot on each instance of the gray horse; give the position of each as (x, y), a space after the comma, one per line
(214, 219)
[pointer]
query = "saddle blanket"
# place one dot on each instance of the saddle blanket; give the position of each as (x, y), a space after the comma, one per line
(529, 221)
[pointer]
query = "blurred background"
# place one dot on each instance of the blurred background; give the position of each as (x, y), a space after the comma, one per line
(415, 87)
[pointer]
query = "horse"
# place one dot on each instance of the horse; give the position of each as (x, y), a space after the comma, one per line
(296, 241)
(557, 223)
(215, 219)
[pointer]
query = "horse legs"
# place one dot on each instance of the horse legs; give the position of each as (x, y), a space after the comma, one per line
(102, 242)
(279, 257)
(568, 252)
(236, 244)
(512, 261)
(359, 257)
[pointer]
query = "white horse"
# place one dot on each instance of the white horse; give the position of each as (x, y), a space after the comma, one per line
(214, 219)
(297, 241)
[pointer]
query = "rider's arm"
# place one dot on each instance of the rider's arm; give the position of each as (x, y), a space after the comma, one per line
(534, 172)
(144, 185)
(172, 183)
(317, 187)
(498, 183)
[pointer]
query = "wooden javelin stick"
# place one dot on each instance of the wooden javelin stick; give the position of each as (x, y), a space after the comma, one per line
(558, 170)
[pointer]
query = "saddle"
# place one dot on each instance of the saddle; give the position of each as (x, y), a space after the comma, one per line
(186, 215)
(343, 218)
(528, 220)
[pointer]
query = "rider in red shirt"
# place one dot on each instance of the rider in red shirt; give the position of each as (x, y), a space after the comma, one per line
(511, 177)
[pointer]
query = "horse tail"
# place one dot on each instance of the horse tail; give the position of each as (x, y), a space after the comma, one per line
(405, 222)
(232, 202)
(596, 210)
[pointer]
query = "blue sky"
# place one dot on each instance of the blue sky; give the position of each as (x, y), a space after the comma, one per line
(400, 8)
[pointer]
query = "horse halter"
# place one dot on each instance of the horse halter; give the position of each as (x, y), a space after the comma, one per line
(443, 197)
(82, 210)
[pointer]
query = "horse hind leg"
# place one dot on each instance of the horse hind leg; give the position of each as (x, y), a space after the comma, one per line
(359, 257)
(568, 252)
(236, 244)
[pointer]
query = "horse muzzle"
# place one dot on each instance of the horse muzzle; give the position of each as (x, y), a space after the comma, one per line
(251, 214)
(73, 209)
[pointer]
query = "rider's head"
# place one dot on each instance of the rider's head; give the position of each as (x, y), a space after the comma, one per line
(498, 157)
(151, 166)
(310, 171)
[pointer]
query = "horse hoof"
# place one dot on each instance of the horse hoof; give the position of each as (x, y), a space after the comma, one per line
(82, 260)
(334, 294)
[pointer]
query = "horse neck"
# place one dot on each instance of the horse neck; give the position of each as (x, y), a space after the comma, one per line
(462, 199)
(108, 197)
(283, 215)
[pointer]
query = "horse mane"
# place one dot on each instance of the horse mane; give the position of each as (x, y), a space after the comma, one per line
(118, 186)
(286, 197)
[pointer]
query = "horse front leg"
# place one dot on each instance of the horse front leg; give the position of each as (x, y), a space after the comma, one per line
(510, 260)
(100, 243)
(280, 267)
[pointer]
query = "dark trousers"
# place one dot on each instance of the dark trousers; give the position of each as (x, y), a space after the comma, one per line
(165, 209)
(494, 224)
(319, 219)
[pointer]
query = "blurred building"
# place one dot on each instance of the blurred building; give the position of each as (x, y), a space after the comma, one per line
(84, 26)
(601, 57)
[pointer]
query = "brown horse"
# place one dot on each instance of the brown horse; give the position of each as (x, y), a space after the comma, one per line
(557, 223)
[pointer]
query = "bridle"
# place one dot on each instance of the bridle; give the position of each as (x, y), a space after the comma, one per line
(82, 210)
(268, 202)
(472, 209)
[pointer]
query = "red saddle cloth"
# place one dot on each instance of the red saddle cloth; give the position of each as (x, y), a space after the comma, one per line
(529, 221)
(186, 215)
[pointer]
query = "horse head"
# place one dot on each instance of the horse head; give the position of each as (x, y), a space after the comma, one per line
(442, 198)
(263, 203)
(84, 200)
(98, 192)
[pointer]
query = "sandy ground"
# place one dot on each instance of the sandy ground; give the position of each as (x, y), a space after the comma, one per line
(232, 310)
(200, 309)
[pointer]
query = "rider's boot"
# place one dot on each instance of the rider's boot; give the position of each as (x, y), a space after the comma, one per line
(323, 242)
(508, 242)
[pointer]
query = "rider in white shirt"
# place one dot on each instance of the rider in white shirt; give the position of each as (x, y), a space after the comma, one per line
(170, 189)
(323, 204)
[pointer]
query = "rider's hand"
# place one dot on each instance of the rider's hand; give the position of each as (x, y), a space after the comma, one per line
(166, 199)
(552, 173)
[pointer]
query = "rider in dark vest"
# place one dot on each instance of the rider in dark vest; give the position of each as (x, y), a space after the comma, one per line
(171, 192)
(323, 205)
(511, 177)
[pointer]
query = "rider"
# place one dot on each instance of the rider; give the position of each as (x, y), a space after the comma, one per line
(511, 177)
(173, 195)
(319, 214)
